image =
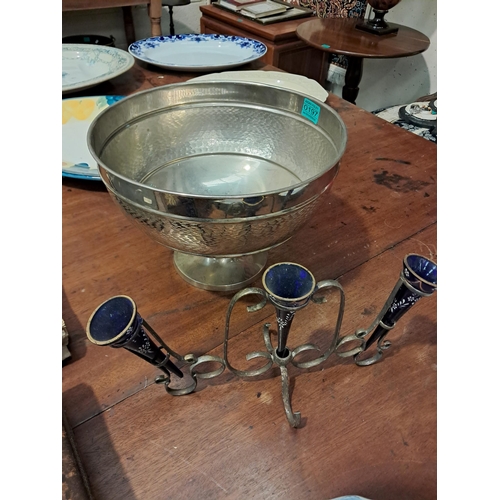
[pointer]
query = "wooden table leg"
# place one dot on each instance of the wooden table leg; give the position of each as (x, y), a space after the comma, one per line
(128, 21)
(154, 12)
(352, 78)
(171, 15)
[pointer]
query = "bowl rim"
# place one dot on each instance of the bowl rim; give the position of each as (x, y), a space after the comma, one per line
(205, 83)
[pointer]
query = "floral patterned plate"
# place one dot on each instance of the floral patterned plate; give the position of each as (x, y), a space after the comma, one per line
(85, 65)
(193, 52)
(77, 115)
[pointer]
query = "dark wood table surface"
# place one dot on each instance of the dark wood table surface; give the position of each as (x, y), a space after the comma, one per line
(369, 431)
(340, 36)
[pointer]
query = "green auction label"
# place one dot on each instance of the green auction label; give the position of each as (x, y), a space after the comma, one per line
(311, 111)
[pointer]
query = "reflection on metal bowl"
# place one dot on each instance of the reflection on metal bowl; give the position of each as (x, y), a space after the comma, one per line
(218, 171)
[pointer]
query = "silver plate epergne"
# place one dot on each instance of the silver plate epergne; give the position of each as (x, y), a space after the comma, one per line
(289, 287)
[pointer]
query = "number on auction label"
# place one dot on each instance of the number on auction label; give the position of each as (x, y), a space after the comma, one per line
(311, 111)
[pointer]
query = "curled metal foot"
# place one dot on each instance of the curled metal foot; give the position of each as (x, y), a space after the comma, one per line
(292, 417)
(193, 362)
(382, 345)
(356, 337)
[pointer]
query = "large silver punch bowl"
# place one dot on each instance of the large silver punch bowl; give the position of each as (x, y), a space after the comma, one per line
(220, 172)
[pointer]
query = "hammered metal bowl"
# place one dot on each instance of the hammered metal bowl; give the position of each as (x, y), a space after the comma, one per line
(218, 171)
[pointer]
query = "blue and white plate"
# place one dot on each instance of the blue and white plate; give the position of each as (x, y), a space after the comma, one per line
(85, 65)
(77, 115)
(198, 53)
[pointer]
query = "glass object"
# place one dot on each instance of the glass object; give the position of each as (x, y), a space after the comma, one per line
(117, 323)
(289, 288)
(417, 279)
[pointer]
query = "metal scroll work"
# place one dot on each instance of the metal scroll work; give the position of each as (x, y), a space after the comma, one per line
(289, 287)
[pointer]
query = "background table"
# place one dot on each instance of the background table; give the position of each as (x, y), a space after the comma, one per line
(154, 12)
(284, 49)
(369, 431)
(340, 36)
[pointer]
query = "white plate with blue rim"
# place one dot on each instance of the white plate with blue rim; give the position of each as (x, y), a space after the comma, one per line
(77, 115)
(198, 53)
(85, 65)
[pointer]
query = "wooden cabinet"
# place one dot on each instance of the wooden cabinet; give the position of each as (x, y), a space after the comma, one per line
(284, 50)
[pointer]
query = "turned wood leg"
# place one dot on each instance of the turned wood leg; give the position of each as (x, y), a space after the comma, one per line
(154, 12)
(352, 78)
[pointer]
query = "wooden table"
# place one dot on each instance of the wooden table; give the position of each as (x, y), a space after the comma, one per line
(340, 36)
(154, 12)
(284, 49)
(366, 430)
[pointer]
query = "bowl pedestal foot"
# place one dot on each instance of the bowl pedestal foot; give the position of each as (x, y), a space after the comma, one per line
(219, 274)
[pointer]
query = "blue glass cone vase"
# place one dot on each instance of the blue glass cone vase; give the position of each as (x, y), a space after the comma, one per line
(289, 287)
(117, 323)
(418, 279)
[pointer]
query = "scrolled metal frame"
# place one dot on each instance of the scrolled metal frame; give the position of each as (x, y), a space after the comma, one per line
(294, 418)
(417, 279)
(188, 359)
